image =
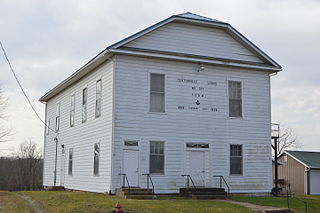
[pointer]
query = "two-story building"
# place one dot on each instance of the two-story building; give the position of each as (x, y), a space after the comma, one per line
(188, 95)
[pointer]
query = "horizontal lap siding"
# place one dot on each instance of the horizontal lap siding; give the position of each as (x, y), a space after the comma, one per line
(176, 127)
(82, 136)
(197, 40)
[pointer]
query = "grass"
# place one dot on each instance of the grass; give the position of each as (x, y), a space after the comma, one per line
(313, 202)
(10, 202)
(79, 202)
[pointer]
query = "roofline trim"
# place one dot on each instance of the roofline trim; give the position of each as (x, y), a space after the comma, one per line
(194, 59)
(296, 159)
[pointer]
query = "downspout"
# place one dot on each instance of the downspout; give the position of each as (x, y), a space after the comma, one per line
(55, 162)
(44, 142)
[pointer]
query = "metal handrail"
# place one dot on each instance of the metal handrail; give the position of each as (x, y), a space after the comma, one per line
(290, 195)
(124, 180)
(224, 180)
(149, 179)
(188, 182)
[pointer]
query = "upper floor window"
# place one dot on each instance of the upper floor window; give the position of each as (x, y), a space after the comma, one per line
(236, 161)
(235, 99)
(57, 116)
(72, 110)
(96, 156)
(156, 164)
(48, 127)
(157, 92)
(98, 97)
(84, 104)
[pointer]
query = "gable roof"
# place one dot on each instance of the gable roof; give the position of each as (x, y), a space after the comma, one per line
(309, 159)
(187, 17)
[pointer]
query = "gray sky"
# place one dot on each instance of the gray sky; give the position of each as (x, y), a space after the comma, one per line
(48, 40)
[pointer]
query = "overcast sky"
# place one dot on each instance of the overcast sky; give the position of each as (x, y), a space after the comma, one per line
(48, 40)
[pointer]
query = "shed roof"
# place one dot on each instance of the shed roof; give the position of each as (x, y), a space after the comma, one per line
(310, 159)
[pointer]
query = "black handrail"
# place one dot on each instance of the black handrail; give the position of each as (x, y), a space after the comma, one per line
(290, 195)
(225, 182)
(124, 180)
(149, 179)
(188, 182)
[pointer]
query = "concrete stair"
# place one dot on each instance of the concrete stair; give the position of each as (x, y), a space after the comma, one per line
(54, 188)
(203, 193)
(136, 193)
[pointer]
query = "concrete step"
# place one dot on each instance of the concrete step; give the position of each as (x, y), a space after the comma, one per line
(137, 193)
(207, 197)
(55, 188)
(141, 197)
(208, 193)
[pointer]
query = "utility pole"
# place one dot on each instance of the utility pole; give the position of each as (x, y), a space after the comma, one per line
(275, 138)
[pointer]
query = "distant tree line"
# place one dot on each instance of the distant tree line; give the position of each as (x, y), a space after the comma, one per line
(23, 170)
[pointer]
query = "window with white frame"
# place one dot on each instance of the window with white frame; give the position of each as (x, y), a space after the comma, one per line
(84, 104)
(72, 110)
(157, 92)
(57, 117)
(96, 156)
(156, 164)
(48, 127)
(98, 98)
(235, 99)
(236, 160)
(70, 165)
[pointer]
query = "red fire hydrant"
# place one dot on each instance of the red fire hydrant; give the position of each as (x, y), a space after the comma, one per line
(117, 208)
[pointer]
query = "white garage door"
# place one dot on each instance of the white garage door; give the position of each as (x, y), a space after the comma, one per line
(315, 182)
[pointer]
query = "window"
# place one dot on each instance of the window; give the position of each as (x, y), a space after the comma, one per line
(235, 99)
(48, 127)
(57, 117)
(84, 104)
(72, 110)
(131, 143)
(236, 160)
(70, 161)
(96, 156)
(98, 97)
(157, 96)
(156, 165)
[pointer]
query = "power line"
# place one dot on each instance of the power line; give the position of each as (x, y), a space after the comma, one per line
(24, 93)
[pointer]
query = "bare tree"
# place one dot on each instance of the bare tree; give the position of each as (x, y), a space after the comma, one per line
(287, 139)
(30, 165)
(4, 132)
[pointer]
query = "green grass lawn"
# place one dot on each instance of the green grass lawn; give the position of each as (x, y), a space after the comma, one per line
(53, 201)
(11, 203)
(313, 202)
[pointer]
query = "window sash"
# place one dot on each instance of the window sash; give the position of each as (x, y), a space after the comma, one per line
(157, 93)
(156, 164)
(70, 161)
(98, 98)
(48, 127)
(72, 110)
(236, 160)
(96, 156)
(57, 117)
(84, 104)
(235, 99)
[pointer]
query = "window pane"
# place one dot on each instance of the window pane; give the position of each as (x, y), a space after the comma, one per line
(156, 102)
(235, 99)
(236, 165)
(157, 83)
(84, 104)
(70, 161)
(156, 157)
(96, 159)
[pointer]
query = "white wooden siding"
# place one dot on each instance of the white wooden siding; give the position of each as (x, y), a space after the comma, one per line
(196, 40)
(176, 127)
(82, 136)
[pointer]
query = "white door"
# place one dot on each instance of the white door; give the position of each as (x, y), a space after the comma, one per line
(63, 155)
(131, 166)
(315, 182)
(197, 168)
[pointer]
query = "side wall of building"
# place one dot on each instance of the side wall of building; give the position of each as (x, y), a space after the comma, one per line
(293, 173)
(82, 136)
(185, 122)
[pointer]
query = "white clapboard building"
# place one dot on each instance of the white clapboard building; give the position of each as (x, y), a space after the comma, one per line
(189, 95)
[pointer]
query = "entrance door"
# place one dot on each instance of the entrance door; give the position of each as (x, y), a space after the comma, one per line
(131, 166)
(197, 168)
(63, 156)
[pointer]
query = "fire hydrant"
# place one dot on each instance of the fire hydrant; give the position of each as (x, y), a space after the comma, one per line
(117, 208)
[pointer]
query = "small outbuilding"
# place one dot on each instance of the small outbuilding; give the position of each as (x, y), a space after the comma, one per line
(300, 169)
